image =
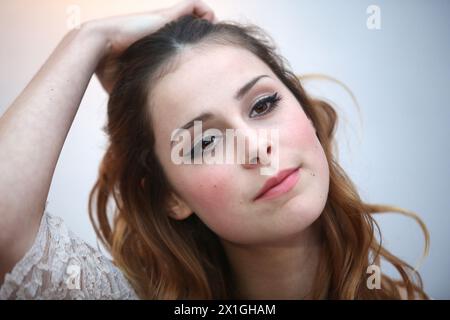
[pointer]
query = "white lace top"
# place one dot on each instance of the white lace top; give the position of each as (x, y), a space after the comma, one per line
(60, 265)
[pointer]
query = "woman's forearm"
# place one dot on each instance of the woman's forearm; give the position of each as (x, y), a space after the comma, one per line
(32, 133)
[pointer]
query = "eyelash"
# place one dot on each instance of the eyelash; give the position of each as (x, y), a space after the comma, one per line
(272, 100)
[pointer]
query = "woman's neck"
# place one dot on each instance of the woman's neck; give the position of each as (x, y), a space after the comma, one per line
(278, 271)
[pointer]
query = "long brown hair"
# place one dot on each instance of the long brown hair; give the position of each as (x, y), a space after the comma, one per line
(168, 259)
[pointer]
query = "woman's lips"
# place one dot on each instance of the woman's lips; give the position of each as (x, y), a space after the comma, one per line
(282, 183)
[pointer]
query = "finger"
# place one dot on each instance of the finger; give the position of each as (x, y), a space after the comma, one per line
(195, 7)
(202, 10)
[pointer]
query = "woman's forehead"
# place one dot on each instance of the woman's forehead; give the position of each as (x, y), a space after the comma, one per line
(203, 79)
(208, 72)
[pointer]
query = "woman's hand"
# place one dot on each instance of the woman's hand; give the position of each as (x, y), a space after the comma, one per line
(122, 31)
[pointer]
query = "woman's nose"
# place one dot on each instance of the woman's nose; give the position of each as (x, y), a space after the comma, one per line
(258, 151)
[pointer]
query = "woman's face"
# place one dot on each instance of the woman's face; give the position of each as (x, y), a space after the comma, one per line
(222, 195)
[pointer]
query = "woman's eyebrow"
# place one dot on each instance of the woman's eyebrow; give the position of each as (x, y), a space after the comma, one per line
(246, 88)
(239, 95)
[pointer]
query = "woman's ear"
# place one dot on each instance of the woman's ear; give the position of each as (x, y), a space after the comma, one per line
(178, 209)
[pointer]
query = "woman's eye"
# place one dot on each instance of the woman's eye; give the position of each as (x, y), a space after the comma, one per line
(203, 144)
(265, 105)
(206, 143)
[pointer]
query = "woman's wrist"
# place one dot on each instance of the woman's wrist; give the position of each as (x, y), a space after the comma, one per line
(90, 38)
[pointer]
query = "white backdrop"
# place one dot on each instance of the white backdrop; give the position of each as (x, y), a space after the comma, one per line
(399, 73)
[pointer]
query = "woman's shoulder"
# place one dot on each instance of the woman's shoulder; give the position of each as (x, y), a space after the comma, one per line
(60, 265)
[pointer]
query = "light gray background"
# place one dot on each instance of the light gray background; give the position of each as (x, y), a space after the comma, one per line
(398, 154)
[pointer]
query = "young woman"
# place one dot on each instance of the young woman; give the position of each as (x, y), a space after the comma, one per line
(187, 231)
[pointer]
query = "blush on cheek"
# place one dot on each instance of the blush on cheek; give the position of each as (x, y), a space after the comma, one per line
(211, 191)
(300, 132)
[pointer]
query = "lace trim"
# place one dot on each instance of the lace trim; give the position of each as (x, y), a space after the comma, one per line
(59, 265)
(31, 258)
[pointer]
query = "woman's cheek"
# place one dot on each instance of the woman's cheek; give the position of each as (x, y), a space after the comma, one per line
(298, 133)
(210, 191)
